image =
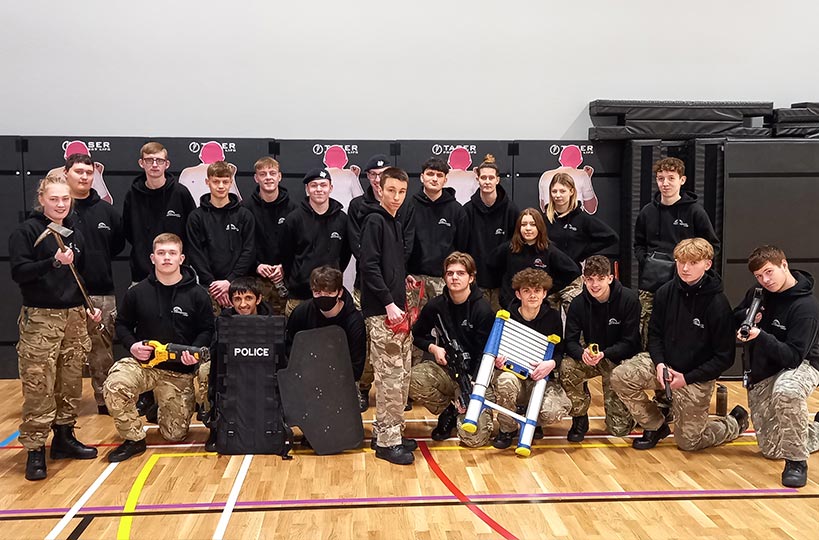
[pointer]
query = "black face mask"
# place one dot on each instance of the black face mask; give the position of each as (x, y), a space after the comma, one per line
(325, 303)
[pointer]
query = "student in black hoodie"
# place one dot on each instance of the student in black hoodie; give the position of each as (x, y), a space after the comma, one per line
(530, 308)
(384, 283)
(467, 318)
(155, 204)
(315, 234)
(608, 315)
(270, 204)
(168, 306)
(672, 216)
(782, 351)
(530, 248)
(691, 333)
(53, 335)
(101, 227)
(360, 207)
(491, 216)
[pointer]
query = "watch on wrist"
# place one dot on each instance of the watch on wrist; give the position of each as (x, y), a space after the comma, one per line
(56, 263)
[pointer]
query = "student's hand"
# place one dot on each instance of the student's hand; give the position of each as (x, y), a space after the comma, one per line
(543, 369)
(218, 288)
(591, 359)
(394, 313)
(265, 270)
(412, 283)
(224, 300)
(438, 353)
(278, 273)
(141, 352)
(65, 257)
(499, 361)
(188, 359)
(677, 379)
(95, 314)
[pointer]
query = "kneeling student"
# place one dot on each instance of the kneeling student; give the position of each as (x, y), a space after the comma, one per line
(531, 288)
(691, 333)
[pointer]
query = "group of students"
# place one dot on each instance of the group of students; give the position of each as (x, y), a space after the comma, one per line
(459, 264)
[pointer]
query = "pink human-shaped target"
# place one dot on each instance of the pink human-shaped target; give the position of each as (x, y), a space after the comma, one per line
(79, 147)
(194, 177)
(570, 159)
(461, 177)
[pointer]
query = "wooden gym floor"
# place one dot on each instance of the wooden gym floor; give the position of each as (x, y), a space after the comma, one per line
(598, 489)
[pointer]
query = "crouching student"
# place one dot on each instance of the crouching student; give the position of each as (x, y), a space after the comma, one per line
(468, 319)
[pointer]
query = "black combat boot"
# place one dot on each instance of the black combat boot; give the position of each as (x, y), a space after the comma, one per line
(580, 426)
(65, 445)
(397, 454)
(446, 423)
(741, 416)
(127, 450)
(364, 399)
(651, 437)
(795, 474)
(36, 464)
(504, 439)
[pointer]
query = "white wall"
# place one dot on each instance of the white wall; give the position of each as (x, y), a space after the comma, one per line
(380, 69)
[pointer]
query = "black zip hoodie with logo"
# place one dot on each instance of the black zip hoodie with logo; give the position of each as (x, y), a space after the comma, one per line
(660, 227)
(147, 213)
(221, 241)
(471, 321)
(614, 325)
(489, 227)
(562, 269)
(101, 227)
(547, 322)
(580, 235)
(382, 265)
(32, 267)
(307, 316)
(789, 329)
(180, 313)
(310, 240)
(270, 217)
(691, 328)
(441, 227)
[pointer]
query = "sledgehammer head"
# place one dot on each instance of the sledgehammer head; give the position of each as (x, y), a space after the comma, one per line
(55, 229)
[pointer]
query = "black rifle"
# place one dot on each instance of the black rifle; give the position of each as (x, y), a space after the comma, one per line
(457, 363)
(667, 379)
(745, 333)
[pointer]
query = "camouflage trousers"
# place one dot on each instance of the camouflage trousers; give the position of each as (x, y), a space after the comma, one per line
(290, 305)
(493, 297)
(201, 384)
(432, 387)
(51, 352)
(433, 286)
(367, 376)
(646, 306)
(573, 377)
(390, 355)
(694, 430)
(508, 389)
(561, 299)
(101, 356)
(271, 296)
(779, 411)
(173, 392)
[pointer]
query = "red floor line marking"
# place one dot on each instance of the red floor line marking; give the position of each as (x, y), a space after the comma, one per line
(497, 527)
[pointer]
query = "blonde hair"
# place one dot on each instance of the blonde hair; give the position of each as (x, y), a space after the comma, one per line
(152, 147)
(44, 184)
(265, 161)
(566, 180)
(693, 250)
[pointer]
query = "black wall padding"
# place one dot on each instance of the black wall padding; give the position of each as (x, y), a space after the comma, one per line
(796, 115)
(796, 130)
(674, 130)
(679, 110)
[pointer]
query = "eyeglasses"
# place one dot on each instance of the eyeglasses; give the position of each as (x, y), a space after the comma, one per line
(373, 174)
(154, 161)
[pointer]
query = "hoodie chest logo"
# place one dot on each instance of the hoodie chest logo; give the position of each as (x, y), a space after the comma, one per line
(538, 263)
(179, 311)
(698, 323)
(281, 220)
(499, 232)
(680, 223)
(465, 324)
(570, 227)
(231, 227)
(103, 226)
(173, 213)
(614, 322)
(776, 324)
(443, 221)
(335, 236)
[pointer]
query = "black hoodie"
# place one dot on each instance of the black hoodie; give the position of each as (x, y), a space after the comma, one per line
(221, 241)
(691, 328)
(310, 240)
(381, 263)
(179, 313)
(101, 227)
(562, 269)
(580, 235)
(613, 325)
(489, 227)
(270, 218)
(360, 207)
(41, 284)
(307, 316)
(660, 227)
(472, 322)
(149, 212)
(441, 227)
(547, 322)
(789, 329)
